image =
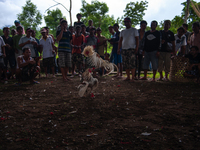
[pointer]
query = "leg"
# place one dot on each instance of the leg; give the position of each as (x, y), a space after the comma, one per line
(133, 74)
(128, 74)
(154, 75)
(160, 65)
(53, 71)
(63, 73)
(18, 75)
(45, 70)
(167, 64)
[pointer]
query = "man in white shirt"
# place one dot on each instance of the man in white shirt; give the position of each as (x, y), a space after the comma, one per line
(48, 53)
(180, 41)
(129, 42)
(28, 42)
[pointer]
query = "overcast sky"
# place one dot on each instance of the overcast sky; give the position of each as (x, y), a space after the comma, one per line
(157, 9)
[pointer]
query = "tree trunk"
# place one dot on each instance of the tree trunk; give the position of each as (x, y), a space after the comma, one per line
(70, 12)
(187, 11)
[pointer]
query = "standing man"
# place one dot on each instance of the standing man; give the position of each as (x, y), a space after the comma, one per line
(129, 42)
(78, 23)
(141, 31)
(195, 37)
(17, 23)
(167, 47)
(48, 52)
(10, 53)
(90, 22)
(151, 47)
(64, 49)
(187, 34)
(16, 38)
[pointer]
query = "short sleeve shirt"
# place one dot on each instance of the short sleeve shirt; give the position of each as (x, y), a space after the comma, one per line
(2, 44)
(47, 47)
(64, 43)
(151, 41)
(78, 41)
(168, 37)
(9, 40)
(16, 39)
(30, 46)
(92, 41)
(115, 40)
(180, 42)
(128, 36)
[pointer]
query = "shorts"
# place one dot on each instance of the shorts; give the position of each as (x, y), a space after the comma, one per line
(77, 59)
(150, 57)
(64, 59)
(2, 65)
(11, 60)
(50, 61)
(128, 57)
(117, 58)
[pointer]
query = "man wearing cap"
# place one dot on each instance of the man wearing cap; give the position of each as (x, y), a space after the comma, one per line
(129, 42)
(64, 49)
(17, 23)
(10, 54)
(28, 42)
(48, 53)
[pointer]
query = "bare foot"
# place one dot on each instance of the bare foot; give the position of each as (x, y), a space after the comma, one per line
(68, 79)
(127, 79)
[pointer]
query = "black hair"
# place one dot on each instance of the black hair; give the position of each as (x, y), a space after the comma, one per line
(154, 21)
(116, 25)
(185, 25)
(63, 21)
(28, 29)
(24, 49)
(110, 27)
(195, 47)
(46, 28)
(78, 15)
(78, 27)
(181, 28)
(5, 28)
(196, 24)
(70, 27)
(143, 22)
(19, 27)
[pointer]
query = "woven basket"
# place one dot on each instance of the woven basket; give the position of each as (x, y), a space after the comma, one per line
(177, 69)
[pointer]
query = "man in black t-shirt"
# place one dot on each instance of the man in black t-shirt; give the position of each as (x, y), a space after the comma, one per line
(167, 47)
(10, 53)
(78, 23)
(151, 47)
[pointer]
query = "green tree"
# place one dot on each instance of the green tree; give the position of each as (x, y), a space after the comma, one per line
(30, 16)
(52, 19)
(135, 10)
(97, 11)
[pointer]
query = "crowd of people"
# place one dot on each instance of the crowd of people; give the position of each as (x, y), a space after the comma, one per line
(130, 47)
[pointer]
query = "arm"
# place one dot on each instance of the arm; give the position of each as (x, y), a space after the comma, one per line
(137, 43)
(183, 49)
(60, 35)
(119, 45)
(4, 52)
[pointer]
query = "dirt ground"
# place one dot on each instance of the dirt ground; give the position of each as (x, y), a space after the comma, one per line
(121, 115)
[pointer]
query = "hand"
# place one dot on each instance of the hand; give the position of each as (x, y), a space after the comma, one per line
(28, 42)
(53, 51)
(143, 52)
(136, 50)
(163, 41)
(4, 55)
(33, 42)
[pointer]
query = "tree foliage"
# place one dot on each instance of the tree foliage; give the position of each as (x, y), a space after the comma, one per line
(30, 16)
(135, 10)
(97, 11)
(52, 19)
